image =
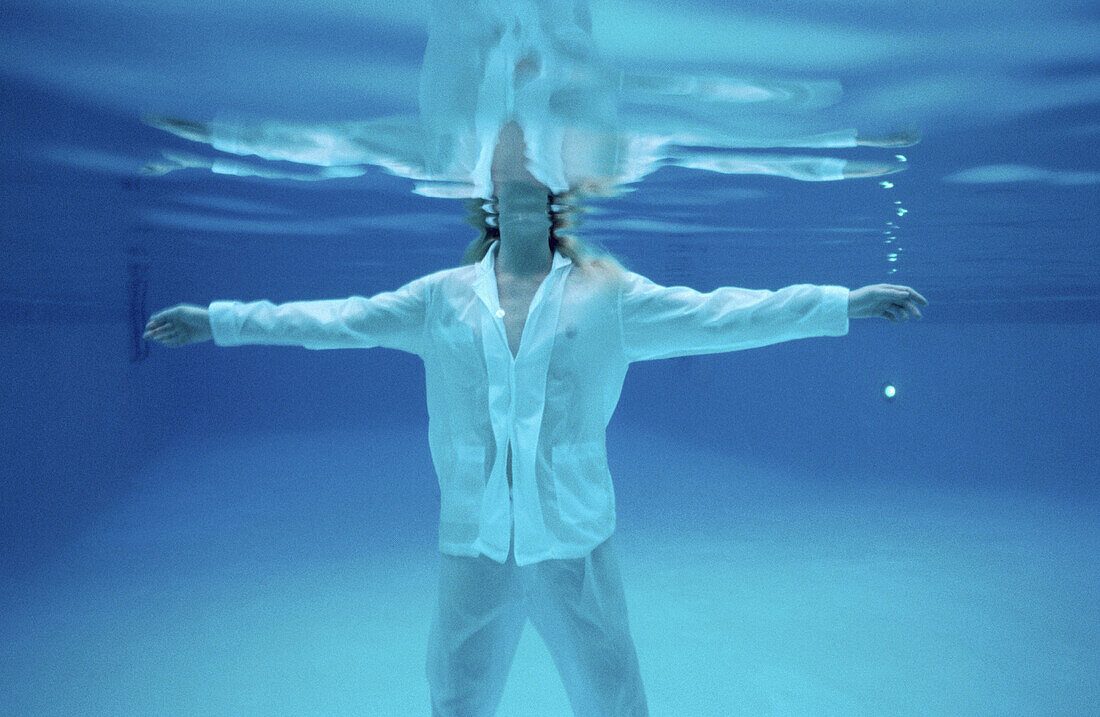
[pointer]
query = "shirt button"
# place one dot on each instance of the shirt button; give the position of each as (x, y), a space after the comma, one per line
(500, 313)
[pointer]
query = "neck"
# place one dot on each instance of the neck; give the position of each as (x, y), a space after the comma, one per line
(524, 251)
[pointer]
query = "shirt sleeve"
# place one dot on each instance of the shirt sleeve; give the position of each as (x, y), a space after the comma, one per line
(663, 322)
(392, 319)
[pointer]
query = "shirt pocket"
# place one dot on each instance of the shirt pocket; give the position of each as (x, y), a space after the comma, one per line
(582, 482)
(460, 501)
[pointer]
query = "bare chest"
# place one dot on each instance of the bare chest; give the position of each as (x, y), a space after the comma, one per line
(515, 300)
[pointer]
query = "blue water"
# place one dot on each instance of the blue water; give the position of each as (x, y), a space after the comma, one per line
(211, 531)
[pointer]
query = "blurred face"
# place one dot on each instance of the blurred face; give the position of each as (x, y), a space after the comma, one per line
(521, 199)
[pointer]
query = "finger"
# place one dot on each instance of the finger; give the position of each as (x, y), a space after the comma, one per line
(910, 293)
(897, 295)
(913, 309)
(886, 314)
(899, 311)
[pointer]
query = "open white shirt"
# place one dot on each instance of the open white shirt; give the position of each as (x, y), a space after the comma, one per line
(552, 401)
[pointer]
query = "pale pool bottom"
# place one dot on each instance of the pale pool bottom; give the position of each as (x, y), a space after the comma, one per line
(876, 603)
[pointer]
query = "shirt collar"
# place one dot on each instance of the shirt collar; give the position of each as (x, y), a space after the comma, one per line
(485, 284)
(487, 264)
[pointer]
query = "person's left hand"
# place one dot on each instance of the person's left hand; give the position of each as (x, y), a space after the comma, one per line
(885, 300)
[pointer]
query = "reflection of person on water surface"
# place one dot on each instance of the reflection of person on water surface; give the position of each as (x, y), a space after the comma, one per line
(587, 128)
(525, 348)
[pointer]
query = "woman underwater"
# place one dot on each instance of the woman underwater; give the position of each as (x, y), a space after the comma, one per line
(525, 348)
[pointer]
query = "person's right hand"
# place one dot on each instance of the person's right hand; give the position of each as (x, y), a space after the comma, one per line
(179, 325)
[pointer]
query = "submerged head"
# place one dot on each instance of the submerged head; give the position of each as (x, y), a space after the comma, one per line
(516, 191)
(525, 207)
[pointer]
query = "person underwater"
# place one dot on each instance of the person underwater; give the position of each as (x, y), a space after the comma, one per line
(525, 347)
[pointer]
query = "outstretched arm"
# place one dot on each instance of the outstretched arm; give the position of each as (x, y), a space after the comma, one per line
(666, 321)
(393, 319)
(663, 322)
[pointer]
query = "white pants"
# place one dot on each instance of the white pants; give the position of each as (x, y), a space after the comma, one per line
(577, 606)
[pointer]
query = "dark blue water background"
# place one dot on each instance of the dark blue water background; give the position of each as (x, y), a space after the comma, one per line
(135, 479)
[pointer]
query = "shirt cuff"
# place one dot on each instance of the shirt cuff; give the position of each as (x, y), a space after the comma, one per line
(830, 169)
(223, 323)
(835, 310)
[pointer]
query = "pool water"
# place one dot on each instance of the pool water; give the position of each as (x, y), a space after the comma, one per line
(214, 531)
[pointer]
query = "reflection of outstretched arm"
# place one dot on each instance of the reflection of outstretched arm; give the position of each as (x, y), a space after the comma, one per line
(702, 112)
(220, 165)
(803, 168)
(905, 138)
(735, 90)
(393, 143)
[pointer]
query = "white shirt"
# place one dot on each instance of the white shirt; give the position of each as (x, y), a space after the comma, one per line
(552, 401)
